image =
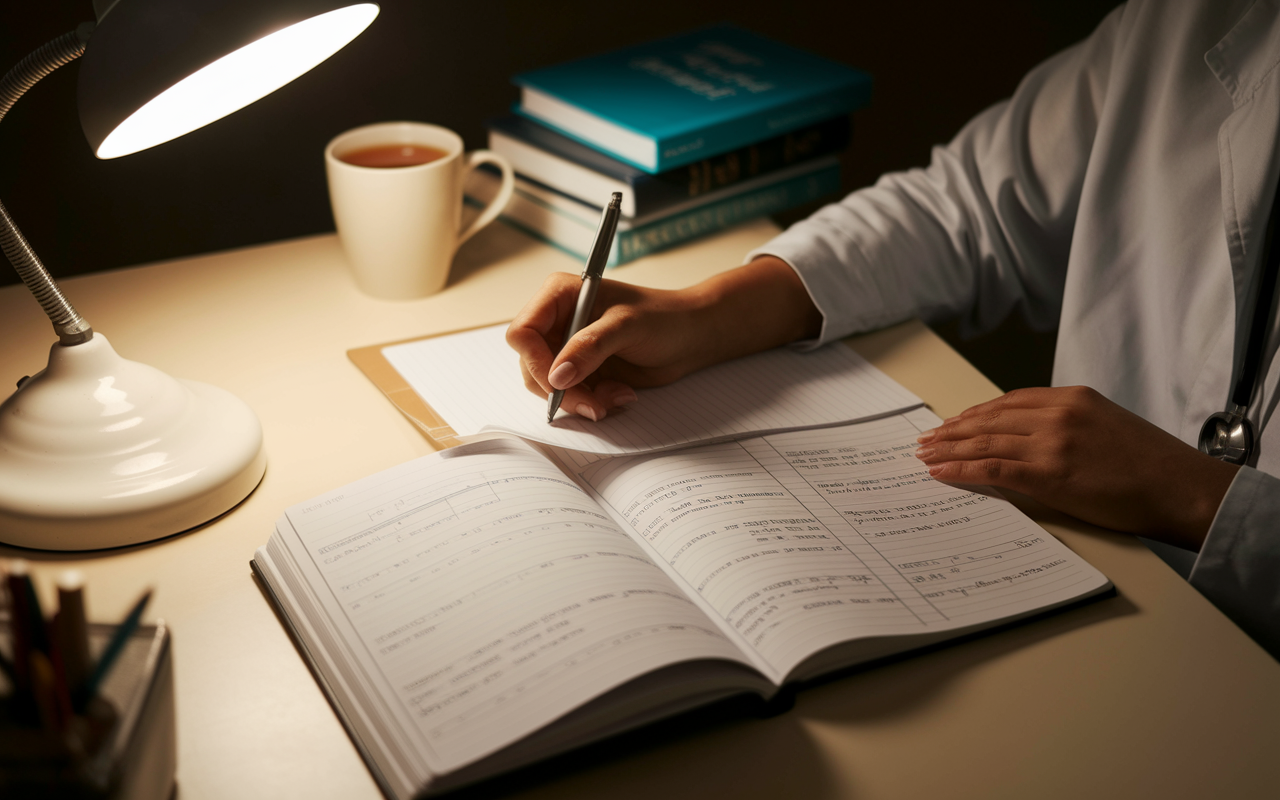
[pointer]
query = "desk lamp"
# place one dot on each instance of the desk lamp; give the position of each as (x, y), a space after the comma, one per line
(97, 451)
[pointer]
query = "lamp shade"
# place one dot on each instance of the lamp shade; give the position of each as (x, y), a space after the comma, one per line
(156, 69)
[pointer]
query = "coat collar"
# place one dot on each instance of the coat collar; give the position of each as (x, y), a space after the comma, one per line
(1245, 62)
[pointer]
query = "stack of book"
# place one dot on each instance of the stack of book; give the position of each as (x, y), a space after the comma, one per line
(698, 131)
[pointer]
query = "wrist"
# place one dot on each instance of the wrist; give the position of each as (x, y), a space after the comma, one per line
(757, 306)
(1203, 489)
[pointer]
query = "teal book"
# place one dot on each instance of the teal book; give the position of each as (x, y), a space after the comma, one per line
(678, 100)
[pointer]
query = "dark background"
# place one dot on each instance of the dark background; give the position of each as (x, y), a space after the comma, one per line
(258, 175)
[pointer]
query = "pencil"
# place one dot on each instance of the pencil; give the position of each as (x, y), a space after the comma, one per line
(44, 692)
(71, 631)
(17, 582)
(7, 668)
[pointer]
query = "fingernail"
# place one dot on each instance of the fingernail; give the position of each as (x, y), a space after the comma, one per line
(623, 396)
(587, 411)
(924, 452)
(562, 376)
(926, 436)
(936, 470)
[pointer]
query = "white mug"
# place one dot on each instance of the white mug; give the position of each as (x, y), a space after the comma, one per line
(400, 226)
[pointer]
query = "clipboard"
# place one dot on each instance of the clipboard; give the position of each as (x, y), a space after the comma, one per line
(833, 386)
(387, 378)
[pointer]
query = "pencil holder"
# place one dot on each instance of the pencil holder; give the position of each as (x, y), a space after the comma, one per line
(122, 746)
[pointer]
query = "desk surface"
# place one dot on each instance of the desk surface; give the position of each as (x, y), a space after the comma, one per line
(1151, 693)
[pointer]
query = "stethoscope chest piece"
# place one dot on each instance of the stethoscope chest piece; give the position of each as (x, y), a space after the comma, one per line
(1227, 436)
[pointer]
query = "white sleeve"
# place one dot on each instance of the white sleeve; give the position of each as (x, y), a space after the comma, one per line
(985, 229)
(1238, 568)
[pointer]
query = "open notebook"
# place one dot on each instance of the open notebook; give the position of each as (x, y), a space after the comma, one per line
(499, 602)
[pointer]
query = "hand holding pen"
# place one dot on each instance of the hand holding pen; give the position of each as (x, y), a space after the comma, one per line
(647, 337)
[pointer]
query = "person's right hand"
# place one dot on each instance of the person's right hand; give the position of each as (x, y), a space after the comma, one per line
(650, 337)
(643, 337)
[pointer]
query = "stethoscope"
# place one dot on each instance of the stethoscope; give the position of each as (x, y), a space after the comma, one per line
(1227, 435)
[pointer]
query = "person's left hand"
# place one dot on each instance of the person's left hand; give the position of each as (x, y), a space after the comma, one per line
(1076, 451)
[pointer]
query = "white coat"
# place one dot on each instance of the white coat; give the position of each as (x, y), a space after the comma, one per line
(1120, 194)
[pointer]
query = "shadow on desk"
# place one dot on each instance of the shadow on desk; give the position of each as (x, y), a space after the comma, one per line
(494, 243)
(744, 747)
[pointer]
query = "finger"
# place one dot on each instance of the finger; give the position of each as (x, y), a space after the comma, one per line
(535, 332)
(642, 377)
(1006, 421)
(550, 308)
(580, 400)
(613, 394)
(535, 358)
(595, 404)
(587, 350)
(982, 446)
(1036, 397)
(1015, 475)
(530, 382)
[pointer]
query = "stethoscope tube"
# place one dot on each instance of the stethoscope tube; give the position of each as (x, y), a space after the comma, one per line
(1228, 435)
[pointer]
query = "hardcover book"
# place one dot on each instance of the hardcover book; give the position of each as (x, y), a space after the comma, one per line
(566, 165)
(678, 100)
(570, 224)
(500, 602)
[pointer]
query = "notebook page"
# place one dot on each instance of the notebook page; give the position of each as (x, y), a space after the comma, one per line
(472, 379)
(484, 595)
(803, 540)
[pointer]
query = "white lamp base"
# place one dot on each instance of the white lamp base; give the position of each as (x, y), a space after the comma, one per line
(97, 451)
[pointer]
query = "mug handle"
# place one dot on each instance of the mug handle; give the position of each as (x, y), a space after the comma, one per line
(474, 159)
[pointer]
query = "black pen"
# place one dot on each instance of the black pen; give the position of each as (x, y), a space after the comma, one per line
(591, 278)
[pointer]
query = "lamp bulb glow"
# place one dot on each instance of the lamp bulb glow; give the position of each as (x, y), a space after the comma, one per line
(237, 79)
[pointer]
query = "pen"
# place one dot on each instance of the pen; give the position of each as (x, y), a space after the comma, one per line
(591, 277)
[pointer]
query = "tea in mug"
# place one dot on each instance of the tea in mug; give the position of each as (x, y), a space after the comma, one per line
(393, 155)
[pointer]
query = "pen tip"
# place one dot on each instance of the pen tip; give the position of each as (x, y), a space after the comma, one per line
(616, 200)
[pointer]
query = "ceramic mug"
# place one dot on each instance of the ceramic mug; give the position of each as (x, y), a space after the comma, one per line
(401, 225)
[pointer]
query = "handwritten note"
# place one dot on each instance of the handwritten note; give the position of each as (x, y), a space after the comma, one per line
(491, 596)
(803, 540)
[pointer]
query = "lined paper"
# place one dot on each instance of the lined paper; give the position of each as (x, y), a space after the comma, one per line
(487, 595)
(472, 380)
(804, 540)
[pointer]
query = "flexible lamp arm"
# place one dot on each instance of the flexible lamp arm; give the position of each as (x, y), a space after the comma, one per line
(70, 326)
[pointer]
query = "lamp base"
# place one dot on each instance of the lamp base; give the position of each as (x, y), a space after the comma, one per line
(97, 451)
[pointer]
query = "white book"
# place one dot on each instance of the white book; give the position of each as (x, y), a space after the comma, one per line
(502, 601)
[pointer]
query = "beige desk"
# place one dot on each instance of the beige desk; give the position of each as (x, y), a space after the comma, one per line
(1152, 693)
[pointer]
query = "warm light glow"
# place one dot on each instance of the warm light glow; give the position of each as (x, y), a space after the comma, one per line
(237, 79)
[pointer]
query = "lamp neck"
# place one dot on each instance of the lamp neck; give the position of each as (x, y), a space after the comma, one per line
(70, 326)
